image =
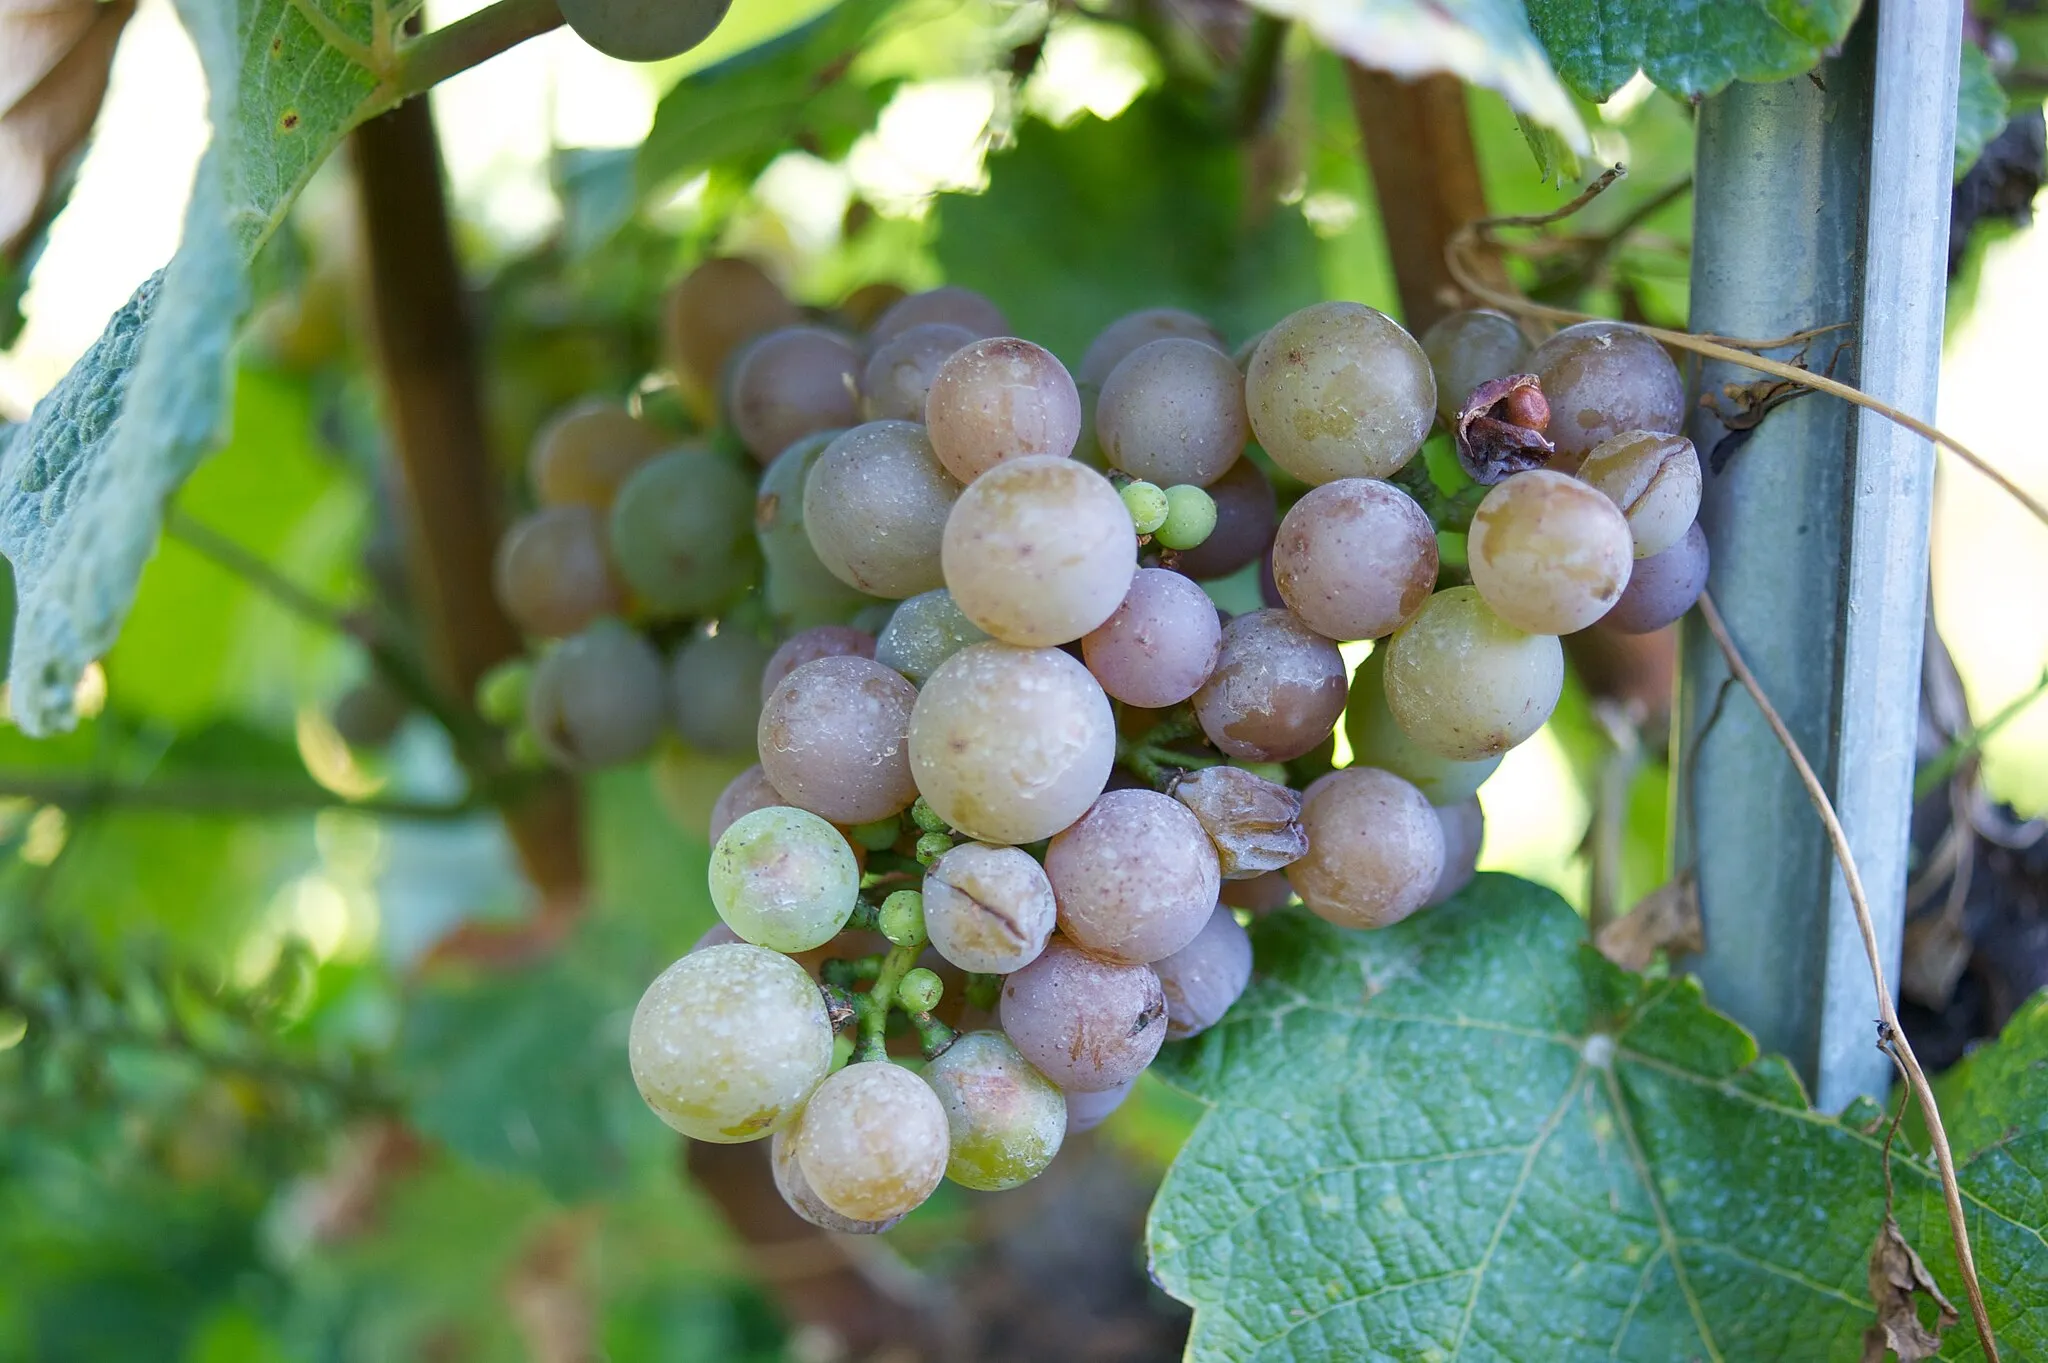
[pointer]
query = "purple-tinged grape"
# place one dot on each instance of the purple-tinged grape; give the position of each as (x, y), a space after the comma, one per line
(876, 505)
(1004, 1119)
(802, 1199)
(1086, 1111)
(899, 373)
(586, 451)
(923, 632)
(1039, 550)
(1338, 390)
(1601, 379)
(745, 793)
(728, 1043)
(679, 532)
(1654, 479)
(714, 689)
(1464, 826)
(1206, 976)
(1377, 741)
(807, 646)
(1464, 684)
(1134, 329)
(1246, 516)
(833, 739)
(1160, 646)
(1173, 412)
(1375, 849)
(784, 879)
(1355, 558)
(988, 909)
(1135, 877)
(1085, 1023)
(1254, 823)
(1550, 554)
(713, 310)
(1277, 690)
(997, 399)
(950, 304)
(1260, 895)
(1662, 587)
(801, 590)
(792, 382)
(872, 1142)
(551, 572)
(596, 698)
(1466, 349)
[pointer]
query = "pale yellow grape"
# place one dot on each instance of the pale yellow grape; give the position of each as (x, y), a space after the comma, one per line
(1377, 741)
(728, 1042)
(800, 1198)
(1005, 1120)
(1654, 479)
(1550, 554)
(1039, 550)
(1463, 683)
(1375, 848)
(586, 451)
(1338, 390)
(988, 909)
(872, 1143)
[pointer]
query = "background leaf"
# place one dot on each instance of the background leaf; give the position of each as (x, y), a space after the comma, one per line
(1687, 47)
(1981, 108)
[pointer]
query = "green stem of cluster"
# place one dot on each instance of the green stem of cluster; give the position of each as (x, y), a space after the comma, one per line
(1448, 511)
(875, 1004)
(984, 991)
(933, 1036)
(473, 39)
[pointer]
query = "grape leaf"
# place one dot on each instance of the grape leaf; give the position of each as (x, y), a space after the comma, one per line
(83, 482)
(1981, 107)
(1687, 47)
(1470, 1137)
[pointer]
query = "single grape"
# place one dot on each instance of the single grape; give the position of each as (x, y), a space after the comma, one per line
(801, 591)
(899, 372)
(988, 909)
(1000, 398)
(1601, 379)
(679, 532)
(1663, 586)
(1254, 823)
(872, 1142)
(1277, 690)
(1160, 646)
(1004, 1119)
(643, 30)
(717, 935)
(1355, 558)
(792, 382)
(1206, 976)
(596, 698)
(1463, 683)
(1010, 745)
(1190, 517)
(1134, 329)
(833, 739)
(586, 451)
(714, 689)
(901, 918)
(807, 646)
(1135, 877)
(919, 991)
(745, 793)
(1039, 550)
(1173, 412)
(949, 304)
(1085, 1023)
(923, 632)
(551, 573)
(1246, 514)
(876, 505)
(1261, 894)
(728, 1043)
(1377, 741)
(802, 1199)
(714, 309)
(501, 692)
(1654, 479)
(784, 879)
(370, 713)
(1086, 1111)
(864, 307)
(1550, 554)
(1338, 390)
(1466, 349)
(1375, 849)
(1464, 827)
(1147, 504)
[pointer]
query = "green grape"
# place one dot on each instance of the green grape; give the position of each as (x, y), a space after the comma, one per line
(1190, 517)
(1338, 390)
(901, 918)
(1147, 504)
(586, 451)
(1004, 1119)
(802, 592)
(872, 1143)
(784, 879)
(501, 694)
(923, 632)
(1464, 683)
(876, 835)
(1377, 741)
(679, 532)
(596, 698)
(919, 991)
(643, 30)
(1654, 479)
(728, 1043)
(1550, 554)
(714, 689)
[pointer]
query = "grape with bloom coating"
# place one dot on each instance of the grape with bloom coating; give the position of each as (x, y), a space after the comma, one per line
(1261, 894)
(1206, 976)
(900, 371)
(714, 689)
(596, 698)
(586, 451)
(1601, 379)
(745, 793)
(1173, 412)
(551, 572)
(876, 505)
(1085, 1023)
(1550, 554)
(833, 737)
(923, 632)
(1246, 514)
(1039, 550)
(1254, 823)
(950, 304)
(1662, 587)
(1375, 848)
(784, 879)
(1277, 690)
(1377, 741)
(1654, 479)
(1338, 390)
(988, 909)
(728, 1042)
(997, 399)
(1355, 558)
(1010, 745)
(712, 310)
(793, 382)
(1466, 349)
(1086, 1111)
(1160, 646)
(799, 1197)
(807, 646)
(1004, 1119)
(801, 591)
(1464, 826)
(1135, 877)
(872, 1142)
(1463, 683)
(679, 531)
(1134, 329)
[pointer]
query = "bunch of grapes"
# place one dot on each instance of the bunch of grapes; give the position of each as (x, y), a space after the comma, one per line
(1020, 782)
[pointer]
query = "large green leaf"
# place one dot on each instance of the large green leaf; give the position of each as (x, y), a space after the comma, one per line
(84, 480)
(1981, 107)
(1470, 1137)
(1688, 47)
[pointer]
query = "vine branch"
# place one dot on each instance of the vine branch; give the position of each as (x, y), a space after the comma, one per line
(475, 38)
(190, 795)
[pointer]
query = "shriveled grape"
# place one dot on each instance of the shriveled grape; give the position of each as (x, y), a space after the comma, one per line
(1135, 329)
(802, 1199)
(745, 793)
(1338, 390)
(875, 506)
(988, 909)
(1173, 412)
(596, 698)
(1654, 479)
(552, 574)
(784, 879)
(833, 739)
(1375, 848)
(724, 302)
(1663, 586)
(586, 451)
(1377, 741)
(1206, 976)
(1254, 823)
(1087, 1024)
(1464, 826)
(679, 531)
(923, 632)
(1601, 379)
(900, 371)
(1160, 645)
(1463, 683)
(714, 689)
(1039, 550)
(872, 1142)
(1466, 349)
(1355, 558)
(950, 304)
(1000, 398)
(1277, 690)
(1135, 877)
(793, 382)
(809, 645)
(1004, 1119)
(1550, 554)
(1246, 516)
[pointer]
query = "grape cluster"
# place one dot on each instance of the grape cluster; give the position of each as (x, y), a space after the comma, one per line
(1019, 781)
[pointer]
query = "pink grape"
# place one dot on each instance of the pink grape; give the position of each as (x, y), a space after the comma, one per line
(1160, 645)
(1355, 558)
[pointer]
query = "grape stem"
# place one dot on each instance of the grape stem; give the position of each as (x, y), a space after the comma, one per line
(1450, 511)
(475, 38)
(875, 1004)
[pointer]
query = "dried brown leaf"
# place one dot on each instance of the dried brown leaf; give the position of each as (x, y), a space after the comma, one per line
(1665, 919)
(1896, 1277)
